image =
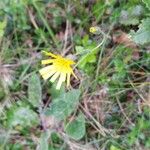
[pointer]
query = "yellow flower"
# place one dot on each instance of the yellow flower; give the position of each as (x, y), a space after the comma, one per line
(95, 30)
(59, 68)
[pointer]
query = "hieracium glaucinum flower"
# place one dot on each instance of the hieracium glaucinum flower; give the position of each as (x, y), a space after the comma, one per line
(59, 68)
(95, 30)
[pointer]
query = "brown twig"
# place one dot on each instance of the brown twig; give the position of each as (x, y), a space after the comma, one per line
(120, 106)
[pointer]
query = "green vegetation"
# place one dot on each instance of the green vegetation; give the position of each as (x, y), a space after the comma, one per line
(108, 107)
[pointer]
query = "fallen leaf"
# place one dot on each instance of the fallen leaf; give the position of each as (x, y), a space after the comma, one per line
(120, 37)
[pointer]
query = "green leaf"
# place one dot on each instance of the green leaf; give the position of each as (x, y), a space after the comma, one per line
(52, 148)
(54, 92)
(142, 36)
(98, 9)
(79, 49)
(16, 146)
(147, 3)
(64, 105)
(76, 128)
(2, 27)
(88, 54)
(44, 141)
(147, 143)
(119, 66)
(132, 15)
(34, 90)
(21, 115)
(88, 57)
(112, 147)
(2, 92)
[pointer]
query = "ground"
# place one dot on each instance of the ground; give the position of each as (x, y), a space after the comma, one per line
(107, 107)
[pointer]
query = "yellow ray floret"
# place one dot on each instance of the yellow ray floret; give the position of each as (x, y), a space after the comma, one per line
(58, 68)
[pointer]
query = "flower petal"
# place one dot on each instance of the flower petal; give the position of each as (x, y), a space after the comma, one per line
(50, 54)
(47, 72)
(45, 69)
(61, 80)
(68, 79)
(47, 61)
(74, 74)
(55, 76)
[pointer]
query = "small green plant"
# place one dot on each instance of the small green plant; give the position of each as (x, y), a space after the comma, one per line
(107, 107)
